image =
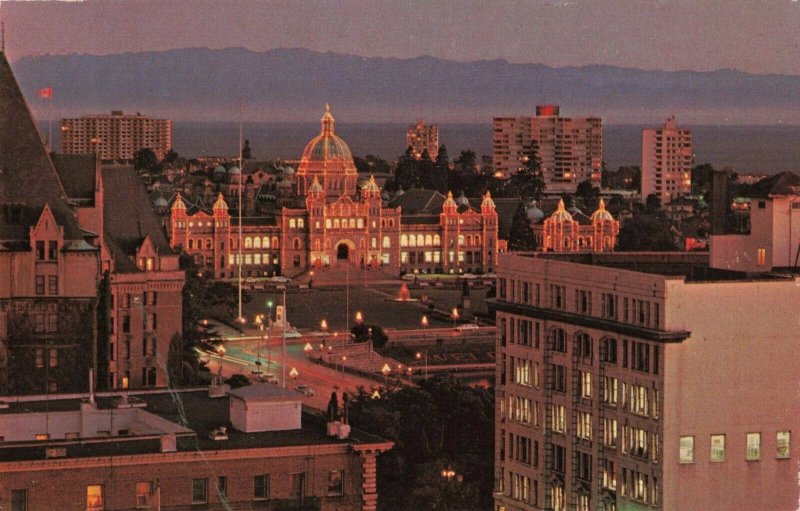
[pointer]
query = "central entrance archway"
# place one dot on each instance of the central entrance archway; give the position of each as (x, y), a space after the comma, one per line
(342, 252)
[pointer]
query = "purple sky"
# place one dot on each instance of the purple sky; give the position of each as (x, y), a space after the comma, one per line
(758, 36)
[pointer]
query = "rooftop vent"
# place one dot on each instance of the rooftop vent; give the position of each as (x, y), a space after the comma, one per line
(219, 434)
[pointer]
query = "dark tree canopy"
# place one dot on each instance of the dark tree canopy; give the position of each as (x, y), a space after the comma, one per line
(521, 233)
(645, 233)
(144, 159)
(442, 423)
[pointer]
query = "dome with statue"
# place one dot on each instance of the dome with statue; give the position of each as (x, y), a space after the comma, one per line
(327, 146)
(328, 158)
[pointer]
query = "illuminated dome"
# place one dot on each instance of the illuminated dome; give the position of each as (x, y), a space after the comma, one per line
(234, 170)
(327, 146)
(561, 214)
(601, 215)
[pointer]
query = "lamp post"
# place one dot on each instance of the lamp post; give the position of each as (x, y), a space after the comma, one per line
(454, 315)
(344, 359)
(386, 370)
(307, 348)
(424, 354)
(359, 318)
(260, 323)
(323, 325)
(221, 353)
(269, 313)
(283, 321)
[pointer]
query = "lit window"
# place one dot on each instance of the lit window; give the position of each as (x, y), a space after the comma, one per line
(586, 385)
(386, 242)
(753, 446)
(94, 497)
(686, 454)
(144, 492)
(783, 444)
(717, 447)
(762, 257)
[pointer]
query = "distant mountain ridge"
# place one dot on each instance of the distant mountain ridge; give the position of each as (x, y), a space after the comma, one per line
(292, 85)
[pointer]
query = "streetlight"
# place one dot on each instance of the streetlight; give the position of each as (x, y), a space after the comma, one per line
(269, 308)
(221, 353)
(424, 354)
(359, 317)
(307, 348)
(424, 322)
(344, 359)
(454, 315)
(260, 322)
(294, 373)
(386, 370)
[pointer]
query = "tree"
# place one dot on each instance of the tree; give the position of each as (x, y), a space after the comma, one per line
(238, 380)
(528, 181)
(247, 152)
(645, 233)
(652, 203)
(144, 159)
(363, 333)
(520, 235)
(442, 423)
(587, 192)
(442, 161)
(467, 161)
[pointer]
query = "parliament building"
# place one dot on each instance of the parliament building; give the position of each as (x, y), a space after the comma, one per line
(333, 223)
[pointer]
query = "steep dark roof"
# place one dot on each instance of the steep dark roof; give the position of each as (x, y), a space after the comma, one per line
(28, 178)
(416, 201)
(128, 217)
(505, 208)
(783, 184)
(77, 173)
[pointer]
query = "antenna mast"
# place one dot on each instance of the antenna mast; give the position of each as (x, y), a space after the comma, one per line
(241, 172)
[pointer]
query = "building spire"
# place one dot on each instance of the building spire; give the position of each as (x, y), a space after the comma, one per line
(327, 121)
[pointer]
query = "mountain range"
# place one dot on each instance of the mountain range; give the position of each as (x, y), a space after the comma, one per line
(292, 85)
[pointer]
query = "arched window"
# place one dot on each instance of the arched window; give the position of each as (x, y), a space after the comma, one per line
(567, 242)
(391, 222)
(248, 242)
(296, 244)
(352, 223)
(403, 240)
(558, 340)
(275, 242)
(292, 223)
(584, 346)
(383, 222)
(460, 239)
(386, 242)
(208, 244)
(300, 223)
(264, 242)
(327, 223)
(360, 223)
(420, 240)
(256, 242)
(477, 239)
(428, 240)
(191, 243)
(335, 223)
(256, 258)
(437, 240)
(412, 241)
(469, 239)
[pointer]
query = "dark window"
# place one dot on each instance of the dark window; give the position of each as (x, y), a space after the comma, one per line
(608, 350)
(640, 356)
(559, 458)
(762, 204)
(39, 284)
(624, 352)
(655, 359)
(52, 250)
(222, 487)
(559, 340)
(584, 347)
(584, 466)
(336, 482)
(126, 324)
(19, 500)
(298, 485)
(52, 285)
(40, 250)
(151, 376)
(199, 491)
(559, 378)
(261, 486)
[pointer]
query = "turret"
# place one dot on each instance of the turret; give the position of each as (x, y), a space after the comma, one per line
(449, 207)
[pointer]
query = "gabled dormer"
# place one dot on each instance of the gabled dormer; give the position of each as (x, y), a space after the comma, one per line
(147, 256)
(46, 237)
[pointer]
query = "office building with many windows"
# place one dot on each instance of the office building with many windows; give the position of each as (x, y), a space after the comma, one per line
(644, 381)
(667, 161)
(117, 136)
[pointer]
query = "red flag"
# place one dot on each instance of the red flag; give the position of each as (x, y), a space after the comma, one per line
(47, 92)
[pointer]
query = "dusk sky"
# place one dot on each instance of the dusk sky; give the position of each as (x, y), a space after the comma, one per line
(760, 37)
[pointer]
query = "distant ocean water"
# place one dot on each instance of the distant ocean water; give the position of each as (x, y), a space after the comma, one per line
(747, 149)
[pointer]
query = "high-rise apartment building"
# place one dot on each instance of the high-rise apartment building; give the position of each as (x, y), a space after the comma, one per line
(666, 161)
(423, 136)
(570, 148)
(646, 381)
(117, 136)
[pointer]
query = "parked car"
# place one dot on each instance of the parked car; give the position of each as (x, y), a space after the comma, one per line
(280, 279)
(305, 390)
(490, 275)
(409, 276)
(467, 326)
(268, 378)
(469, 276)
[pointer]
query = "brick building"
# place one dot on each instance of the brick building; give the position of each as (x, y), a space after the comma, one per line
(331, 224)
(183, 450)
(565, 231)
(75, 239)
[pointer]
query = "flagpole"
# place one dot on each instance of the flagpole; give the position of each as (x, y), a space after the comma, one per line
(241, 173)
(50, 119)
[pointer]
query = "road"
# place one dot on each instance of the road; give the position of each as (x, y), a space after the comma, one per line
(241, 355)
